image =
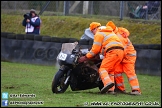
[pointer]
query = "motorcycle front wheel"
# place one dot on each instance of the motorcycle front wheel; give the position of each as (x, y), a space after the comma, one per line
(58, 85)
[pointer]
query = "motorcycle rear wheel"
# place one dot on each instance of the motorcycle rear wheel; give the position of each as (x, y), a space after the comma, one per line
(58, 85)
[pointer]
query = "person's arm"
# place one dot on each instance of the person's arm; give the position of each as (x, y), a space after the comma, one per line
(145, 6)
(96, 47)
(36, 23)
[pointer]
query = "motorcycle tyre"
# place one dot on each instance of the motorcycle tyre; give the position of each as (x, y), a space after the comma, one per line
(56, 80)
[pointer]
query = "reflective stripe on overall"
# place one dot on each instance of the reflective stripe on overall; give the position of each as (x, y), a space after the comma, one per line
(129, 70)
(107, 76)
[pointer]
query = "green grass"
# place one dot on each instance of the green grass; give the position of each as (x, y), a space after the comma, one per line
(141, 31)
(18, 78)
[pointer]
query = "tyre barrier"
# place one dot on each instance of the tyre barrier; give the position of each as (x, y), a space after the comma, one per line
(147, 46)
(56, 39)
(154, 46)
(72, 40)
(38, 38)
(65, 40)
(37, 49)
(148, 61)
(4, 34)
(83, 42)
(20, 36)
(29, 37)
(42, 53)
(46, 39)
(136, 46)
(143, 46)
(11, 36)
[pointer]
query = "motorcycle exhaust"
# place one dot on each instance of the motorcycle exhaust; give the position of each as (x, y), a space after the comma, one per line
(68, 76)
(66, 80)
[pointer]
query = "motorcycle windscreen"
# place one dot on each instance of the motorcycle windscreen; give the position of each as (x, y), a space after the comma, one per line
(67, 48)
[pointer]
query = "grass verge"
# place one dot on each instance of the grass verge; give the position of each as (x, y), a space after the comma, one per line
(141, 31)
(17, 78)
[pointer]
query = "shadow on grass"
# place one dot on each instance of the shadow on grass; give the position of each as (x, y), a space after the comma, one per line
(95, 93)
(14, 86)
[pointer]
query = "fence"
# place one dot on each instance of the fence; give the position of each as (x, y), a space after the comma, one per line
(122, 9)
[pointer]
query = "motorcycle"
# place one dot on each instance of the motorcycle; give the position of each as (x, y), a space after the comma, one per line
(79, 76)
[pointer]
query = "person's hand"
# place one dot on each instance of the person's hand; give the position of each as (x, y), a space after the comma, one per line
(27, 20)
(144, 7)
(97, 57)
(82, 59)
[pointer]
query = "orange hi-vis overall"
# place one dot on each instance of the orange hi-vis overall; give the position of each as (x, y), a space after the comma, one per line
(127, 65)
(107, 43)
